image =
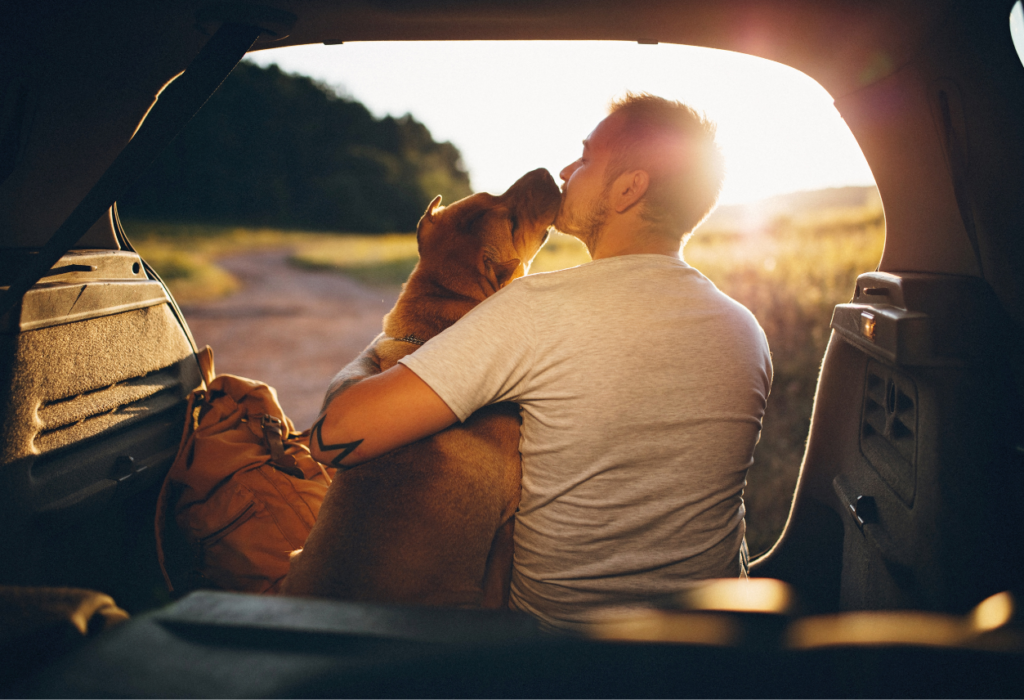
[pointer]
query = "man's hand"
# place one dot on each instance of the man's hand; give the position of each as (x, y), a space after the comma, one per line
(377, 415)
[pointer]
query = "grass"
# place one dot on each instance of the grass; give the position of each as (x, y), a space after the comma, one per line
(185, 255)
(373, 260)
(790, 277)
(790, 274)
(389, 259)
(191, 276)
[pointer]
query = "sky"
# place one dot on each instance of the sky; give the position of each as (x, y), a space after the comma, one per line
(511, 107)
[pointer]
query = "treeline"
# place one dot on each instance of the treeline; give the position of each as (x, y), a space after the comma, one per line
(277, 150)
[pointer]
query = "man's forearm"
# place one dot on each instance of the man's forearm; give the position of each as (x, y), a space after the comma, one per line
(367, 418)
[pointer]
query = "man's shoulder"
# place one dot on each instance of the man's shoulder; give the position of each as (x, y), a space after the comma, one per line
(733, 313)
(547, 281)
(622, 267)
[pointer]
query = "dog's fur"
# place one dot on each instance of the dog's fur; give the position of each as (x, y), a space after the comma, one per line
(431, 523)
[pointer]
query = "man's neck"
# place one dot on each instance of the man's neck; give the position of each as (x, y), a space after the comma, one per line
(626, 238)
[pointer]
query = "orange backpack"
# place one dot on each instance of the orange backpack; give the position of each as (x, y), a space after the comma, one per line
(243, 491)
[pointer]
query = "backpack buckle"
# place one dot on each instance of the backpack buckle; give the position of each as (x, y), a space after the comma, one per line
(273, 436)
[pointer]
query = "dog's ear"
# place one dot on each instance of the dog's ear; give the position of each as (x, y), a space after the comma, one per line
(427, 220)
(432, 208)
(499, 273)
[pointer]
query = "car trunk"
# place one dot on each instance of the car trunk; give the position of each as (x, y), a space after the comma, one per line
(906, 496)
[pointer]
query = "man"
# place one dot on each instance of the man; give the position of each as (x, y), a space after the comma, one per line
(641, 385)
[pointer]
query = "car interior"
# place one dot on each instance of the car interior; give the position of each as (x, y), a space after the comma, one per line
(900, 565)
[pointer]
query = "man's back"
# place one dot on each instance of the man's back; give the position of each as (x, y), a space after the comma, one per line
(642, 389)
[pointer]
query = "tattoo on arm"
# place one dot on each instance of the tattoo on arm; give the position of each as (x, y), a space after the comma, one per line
(346, 448)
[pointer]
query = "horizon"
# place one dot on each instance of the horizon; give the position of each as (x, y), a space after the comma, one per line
(794, 140)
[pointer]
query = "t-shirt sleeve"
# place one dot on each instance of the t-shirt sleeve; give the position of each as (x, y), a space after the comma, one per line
(484, 358)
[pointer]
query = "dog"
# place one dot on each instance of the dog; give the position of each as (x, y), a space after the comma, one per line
(431, 523)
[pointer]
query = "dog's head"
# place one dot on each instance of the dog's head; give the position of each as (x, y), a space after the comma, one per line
(477, 245)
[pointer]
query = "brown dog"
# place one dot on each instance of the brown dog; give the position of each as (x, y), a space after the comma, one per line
(431, 523)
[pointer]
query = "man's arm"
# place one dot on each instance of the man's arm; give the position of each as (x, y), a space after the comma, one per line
(375, 416)
(366, 365)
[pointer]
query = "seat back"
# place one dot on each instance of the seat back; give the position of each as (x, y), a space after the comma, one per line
(95, 370)
(915, 447)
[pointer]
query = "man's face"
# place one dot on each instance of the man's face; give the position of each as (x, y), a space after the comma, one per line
(584, 208)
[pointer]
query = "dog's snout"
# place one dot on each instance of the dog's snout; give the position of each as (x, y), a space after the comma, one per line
(544, 179)
(535, 180)
(541, 173)
(536, 196)
(546, 185)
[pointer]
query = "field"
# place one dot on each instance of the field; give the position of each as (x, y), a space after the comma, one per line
(790, 273)
(185, 255)
(790, 277)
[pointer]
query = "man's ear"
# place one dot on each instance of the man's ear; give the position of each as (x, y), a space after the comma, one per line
(629, 188)
(427, 220)
(500, 273)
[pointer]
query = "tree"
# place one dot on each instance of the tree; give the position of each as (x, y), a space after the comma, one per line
(279, 150)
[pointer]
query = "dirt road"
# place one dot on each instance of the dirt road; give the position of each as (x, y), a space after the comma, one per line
(290, 328)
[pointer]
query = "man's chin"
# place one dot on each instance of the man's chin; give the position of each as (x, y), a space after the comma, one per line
(564, 224)
(585, 229)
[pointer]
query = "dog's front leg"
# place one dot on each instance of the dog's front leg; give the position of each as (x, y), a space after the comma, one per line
(366, 365)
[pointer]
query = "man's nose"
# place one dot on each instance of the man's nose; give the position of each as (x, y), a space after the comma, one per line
(568, 170)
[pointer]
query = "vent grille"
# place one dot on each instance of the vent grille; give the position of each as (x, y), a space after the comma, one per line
(68, 420)
(888, 435)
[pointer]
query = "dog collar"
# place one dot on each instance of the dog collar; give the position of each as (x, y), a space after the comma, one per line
(411, 339)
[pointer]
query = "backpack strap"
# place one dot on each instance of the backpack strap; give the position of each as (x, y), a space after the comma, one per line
(205, 359)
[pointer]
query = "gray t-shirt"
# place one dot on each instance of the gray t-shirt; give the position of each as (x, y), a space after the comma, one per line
(641, 388)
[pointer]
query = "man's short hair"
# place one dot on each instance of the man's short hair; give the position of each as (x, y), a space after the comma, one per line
(676, 146)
